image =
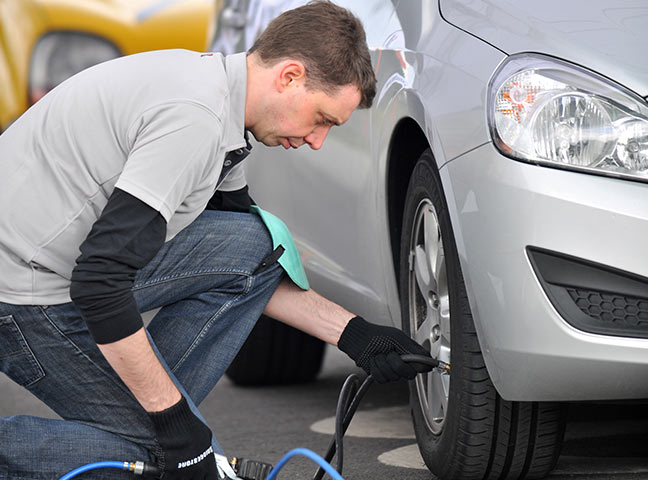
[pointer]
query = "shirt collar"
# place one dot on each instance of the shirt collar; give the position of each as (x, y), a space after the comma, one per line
(236, 70)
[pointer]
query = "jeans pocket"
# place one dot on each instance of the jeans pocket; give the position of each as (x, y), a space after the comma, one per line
(17, 360)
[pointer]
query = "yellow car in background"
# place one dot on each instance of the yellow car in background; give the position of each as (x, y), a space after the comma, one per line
(43, 42)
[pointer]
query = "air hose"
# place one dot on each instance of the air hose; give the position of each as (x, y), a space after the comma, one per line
(349, 399)
(347, 406)
(138, 468)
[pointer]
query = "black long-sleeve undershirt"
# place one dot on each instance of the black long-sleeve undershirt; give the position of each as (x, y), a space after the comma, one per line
(234, 201)
(124, 239)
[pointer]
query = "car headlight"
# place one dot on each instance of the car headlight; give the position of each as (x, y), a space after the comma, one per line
(59, 55)
(546, 111)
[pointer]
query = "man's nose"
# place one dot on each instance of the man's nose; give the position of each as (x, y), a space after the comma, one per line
(315, 139)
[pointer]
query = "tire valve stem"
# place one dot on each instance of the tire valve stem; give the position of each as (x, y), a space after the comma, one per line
(444, 367)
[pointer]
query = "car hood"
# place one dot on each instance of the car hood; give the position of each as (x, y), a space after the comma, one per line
(607, 36)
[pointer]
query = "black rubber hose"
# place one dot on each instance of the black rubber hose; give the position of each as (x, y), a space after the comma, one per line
(349, 389)
(347, 415)
(345, 410)
(422, 359)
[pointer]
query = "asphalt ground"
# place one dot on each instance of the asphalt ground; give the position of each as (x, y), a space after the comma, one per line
(602, 441)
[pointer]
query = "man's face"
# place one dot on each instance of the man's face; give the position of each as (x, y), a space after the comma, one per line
(303, 116)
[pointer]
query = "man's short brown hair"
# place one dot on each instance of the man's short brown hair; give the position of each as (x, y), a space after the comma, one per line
(329, 40)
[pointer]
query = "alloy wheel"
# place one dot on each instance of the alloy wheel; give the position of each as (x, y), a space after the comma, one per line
(429, 310)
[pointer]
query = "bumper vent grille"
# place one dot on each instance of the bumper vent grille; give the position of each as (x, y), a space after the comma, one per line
(619, 310)
(593, 297)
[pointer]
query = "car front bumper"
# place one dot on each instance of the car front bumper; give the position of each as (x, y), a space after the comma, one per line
(499, 208)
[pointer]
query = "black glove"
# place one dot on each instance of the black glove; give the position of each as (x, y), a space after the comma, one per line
(186, 442)
(377, 350)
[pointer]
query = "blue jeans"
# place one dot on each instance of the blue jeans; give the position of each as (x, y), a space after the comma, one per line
(211, 290)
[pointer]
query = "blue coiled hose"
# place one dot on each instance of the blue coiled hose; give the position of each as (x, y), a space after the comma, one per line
(305, 453)
(297, 451)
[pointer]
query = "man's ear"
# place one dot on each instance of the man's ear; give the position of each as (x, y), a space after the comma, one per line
(290, 73)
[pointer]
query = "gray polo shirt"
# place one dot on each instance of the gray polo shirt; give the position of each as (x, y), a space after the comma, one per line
(156, 125)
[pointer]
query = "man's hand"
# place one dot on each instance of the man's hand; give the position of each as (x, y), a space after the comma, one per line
(377, 350)
(186, 442)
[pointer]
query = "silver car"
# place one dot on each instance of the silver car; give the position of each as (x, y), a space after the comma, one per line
(493, 203)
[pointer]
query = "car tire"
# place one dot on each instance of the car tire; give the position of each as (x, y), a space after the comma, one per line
(464, 429)
(276, 354)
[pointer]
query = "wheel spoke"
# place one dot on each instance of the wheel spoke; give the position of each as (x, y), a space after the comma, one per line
(444, 317)
(423, 332)
(440, 270)
(430, 396)
(436, 399)
(440, 387)
(433, 248)
(422, 271)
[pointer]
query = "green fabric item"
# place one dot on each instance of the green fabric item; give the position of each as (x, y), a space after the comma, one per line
(280, 234)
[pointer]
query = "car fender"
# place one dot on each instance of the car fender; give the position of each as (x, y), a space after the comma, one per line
(405, 104)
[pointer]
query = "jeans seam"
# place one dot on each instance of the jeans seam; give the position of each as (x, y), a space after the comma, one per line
(76, 347)
(196, 273)
(223, 309)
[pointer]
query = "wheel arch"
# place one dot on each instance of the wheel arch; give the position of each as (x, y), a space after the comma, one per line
(407, 143)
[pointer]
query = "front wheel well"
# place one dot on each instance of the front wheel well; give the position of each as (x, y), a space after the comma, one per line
(407, 144)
